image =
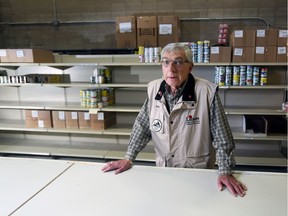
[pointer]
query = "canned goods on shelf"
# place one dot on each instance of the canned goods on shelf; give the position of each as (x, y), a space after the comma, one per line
(256, 73)
(249, 75)
(228, 78)
(242, 81)
(222, 76)
(236, 75)
(96, 97)
(263, 76)
(216, 76)
(157, 51)
(108, 76)
(141, 50)
(101, 79)
(151, 54)
(104, 93)
(146, 55)
(93, 93)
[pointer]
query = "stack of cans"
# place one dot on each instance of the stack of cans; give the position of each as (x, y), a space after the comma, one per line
(240, 75)
(206, 51)
(236, 75)
(200, 51)
(256, 73)
(220, 75)
(13, 79)
(149, 55)
(228, 76)
(223, 75)
(249, 75)
(33, 78)
(141, 54)
(194, 49)
(96, 97)
(101, 76)
(242, 81)
(263, 76)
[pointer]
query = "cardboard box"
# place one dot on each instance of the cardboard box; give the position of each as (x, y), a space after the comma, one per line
(282, 38)
(38, 119)
(282, 55)
(168, 30)
(243, 38)
(71, 119)
(266, 37)
(27, 56)
(84, 120)
(243, 54)
(147, 31)
(265, 53)
(220, 54)
(58, 119)
(103, 120)
(126, 32)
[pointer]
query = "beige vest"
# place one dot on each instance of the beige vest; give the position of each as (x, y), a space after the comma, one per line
(182, 138)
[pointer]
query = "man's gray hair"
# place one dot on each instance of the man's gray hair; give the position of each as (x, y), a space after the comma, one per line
(172, 47)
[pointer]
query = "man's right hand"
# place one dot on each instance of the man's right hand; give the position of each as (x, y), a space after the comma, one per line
(119, 166)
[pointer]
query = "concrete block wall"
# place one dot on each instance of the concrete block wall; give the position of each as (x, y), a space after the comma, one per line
(81, 35)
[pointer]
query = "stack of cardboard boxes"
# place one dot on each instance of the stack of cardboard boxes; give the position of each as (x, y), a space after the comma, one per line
(69, 119)
(147, 31)
(26, 56)
(243, 45)
(268, 45)
(38, 119)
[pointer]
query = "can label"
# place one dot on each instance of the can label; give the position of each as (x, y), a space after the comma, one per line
(263, 76)
(221, 76)
(228, 78)
(236, 75)
(242, 81)
(256, 72)
(249, 75)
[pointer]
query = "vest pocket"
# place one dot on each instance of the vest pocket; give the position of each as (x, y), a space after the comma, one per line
(201, 162)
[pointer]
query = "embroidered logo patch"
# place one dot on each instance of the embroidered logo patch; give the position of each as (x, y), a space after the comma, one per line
(190, 120)
(157, 125)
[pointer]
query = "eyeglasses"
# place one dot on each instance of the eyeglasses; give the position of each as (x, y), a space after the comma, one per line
(177, 62)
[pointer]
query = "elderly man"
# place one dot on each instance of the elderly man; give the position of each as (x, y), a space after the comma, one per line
(184, 118)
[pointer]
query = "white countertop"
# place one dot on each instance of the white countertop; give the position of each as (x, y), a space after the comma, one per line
(37, 187)
(21, 179)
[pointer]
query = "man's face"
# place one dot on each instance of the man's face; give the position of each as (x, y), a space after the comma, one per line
(175, 68)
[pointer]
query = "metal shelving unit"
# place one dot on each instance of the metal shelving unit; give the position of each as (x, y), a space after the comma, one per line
(116, 151)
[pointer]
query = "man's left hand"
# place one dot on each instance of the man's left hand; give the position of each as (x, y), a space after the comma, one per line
(234, 186)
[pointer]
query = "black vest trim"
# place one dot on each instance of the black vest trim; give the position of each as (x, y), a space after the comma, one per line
(161, 91)
(188, 93)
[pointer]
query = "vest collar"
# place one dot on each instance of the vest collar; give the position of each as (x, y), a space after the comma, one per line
(188, 93)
